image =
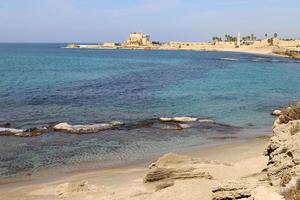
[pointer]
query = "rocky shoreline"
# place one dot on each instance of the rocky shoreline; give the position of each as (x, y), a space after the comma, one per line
(260, 169)
(275, 181)
(163, 123)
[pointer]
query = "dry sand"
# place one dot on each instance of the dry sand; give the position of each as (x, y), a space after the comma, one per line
(235, 161)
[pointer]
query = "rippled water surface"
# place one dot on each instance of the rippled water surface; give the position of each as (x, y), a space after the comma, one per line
(44, 84)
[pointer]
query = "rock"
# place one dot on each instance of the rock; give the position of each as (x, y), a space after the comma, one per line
(178, 119)
(166, 119)
(157, 174)
(81, 129)
(66, 190)
(163, 184)
(184, 119)
(264, 193)
(183, 126)
(173, 166)
(116, 123)
(231, 191)
(283, 151)
(10, 131)
(5, 125)
(206, 121)
(276, 112)
(22, 132)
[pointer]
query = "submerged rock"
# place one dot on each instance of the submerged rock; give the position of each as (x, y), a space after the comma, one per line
(10, 131)
(185, 119)
(206, 121)
(178, 119)
(81, 129)
(22, 132)
(177, 126)
(5, 125)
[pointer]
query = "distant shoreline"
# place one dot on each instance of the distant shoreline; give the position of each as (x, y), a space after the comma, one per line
(259, 51)
(266, 46)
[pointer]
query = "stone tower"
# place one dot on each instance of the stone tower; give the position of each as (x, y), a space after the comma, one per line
(238, 40)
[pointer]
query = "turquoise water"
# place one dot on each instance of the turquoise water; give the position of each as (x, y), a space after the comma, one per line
(44, 84)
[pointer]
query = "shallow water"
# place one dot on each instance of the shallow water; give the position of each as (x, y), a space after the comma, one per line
(43, 84)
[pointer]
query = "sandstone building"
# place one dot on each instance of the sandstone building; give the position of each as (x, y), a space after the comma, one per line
(137, 39)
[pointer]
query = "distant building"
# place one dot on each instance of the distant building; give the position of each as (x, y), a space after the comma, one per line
(137, 39)
(111, 45)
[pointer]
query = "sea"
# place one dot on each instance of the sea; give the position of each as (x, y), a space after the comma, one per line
(45, 84)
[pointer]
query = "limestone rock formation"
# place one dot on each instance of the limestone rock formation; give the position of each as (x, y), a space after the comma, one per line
(284, 152)
(157, 174)
(81, 129)
(173, 166)
(276, 112)
(232, 191)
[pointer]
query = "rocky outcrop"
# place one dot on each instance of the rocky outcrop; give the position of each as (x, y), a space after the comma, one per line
(276, 112)
(172, 166)
(232, 191)
(284, 152)
(22, 132)
(81, 129)
(157, 174)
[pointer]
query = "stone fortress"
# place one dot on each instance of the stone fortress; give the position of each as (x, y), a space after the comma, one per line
(137, 40)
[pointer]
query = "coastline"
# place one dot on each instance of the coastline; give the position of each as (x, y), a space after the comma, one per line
(267, 51)
(123, 181)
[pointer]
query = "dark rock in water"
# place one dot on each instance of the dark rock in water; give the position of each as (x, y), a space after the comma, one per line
(221, 137)
(250, 125)
(22, 132)
(36, 131)
(178, 119)
(11, 132)
(141, 124)
(5, 125)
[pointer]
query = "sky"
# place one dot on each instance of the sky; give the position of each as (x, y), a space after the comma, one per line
(164, 20)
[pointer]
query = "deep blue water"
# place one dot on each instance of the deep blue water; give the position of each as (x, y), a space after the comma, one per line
(42, 84)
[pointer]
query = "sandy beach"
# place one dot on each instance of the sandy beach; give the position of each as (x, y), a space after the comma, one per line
(223, 162)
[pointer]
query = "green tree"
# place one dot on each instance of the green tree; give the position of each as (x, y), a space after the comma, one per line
(275, 35)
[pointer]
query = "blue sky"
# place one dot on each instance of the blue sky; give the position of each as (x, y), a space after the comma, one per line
(164, 20)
